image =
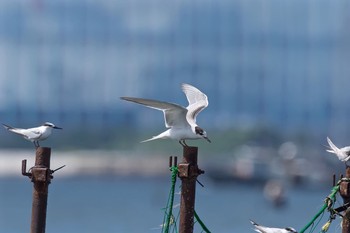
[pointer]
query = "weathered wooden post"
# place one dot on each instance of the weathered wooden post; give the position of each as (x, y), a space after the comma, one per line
(345, 194)
(188, 173)
(41, 177)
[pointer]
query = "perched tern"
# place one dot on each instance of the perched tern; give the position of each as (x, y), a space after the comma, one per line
(263, 229)
(181, 121)
(34, 134)
(343, 154)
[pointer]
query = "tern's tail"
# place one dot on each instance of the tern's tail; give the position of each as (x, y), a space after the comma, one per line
(254, 223)
(7, 127)
(333, 148)
(150, 139)
(147, 140)
(160, 136)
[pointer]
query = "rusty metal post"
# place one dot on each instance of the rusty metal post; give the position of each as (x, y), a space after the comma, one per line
(345, 194)
(188, 173)
(41, 177)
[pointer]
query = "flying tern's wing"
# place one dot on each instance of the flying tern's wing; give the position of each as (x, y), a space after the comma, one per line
(334, 149)
(193, 94)
(197, 102)
(174, 114)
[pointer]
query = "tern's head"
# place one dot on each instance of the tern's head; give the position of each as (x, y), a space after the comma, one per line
(49, 124)
(199, 131)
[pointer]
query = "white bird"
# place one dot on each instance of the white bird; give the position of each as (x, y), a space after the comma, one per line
(343, 154)
(263, 229)
(181, 121)
(34, 134)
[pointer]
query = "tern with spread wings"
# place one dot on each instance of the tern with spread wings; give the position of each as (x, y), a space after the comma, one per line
(181, 121)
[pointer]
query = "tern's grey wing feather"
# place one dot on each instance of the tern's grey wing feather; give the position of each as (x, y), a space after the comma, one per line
(26, 133)
(332, 146)
(17, 131)
(194, 110)
(174, 114)
(159, 105)
(175, 117)
(197, 102)
(193, 94)
(34, 133)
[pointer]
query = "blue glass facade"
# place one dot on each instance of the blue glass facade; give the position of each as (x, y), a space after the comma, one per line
(278, 63)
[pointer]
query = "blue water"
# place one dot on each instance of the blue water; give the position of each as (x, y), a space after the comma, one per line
(134, 204)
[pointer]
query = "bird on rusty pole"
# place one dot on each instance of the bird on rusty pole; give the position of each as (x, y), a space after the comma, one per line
(343, 154)
(263, 229)
(34, 134)
(180, 120)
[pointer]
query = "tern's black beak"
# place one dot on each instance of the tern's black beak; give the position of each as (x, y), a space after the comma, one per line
(206, 138)
(55, 127)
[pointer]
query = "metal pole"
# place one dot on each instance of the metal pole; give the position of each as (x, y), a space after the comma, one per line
(41, 177)
(345, 194)
(188, 172)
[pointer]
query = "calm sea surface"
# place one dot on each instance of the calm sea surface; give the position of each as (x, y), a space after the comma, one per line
(134, 204)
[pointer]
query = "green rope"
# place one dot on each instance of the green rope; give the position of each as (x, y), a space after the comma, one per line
(201, 223)
(170, 216)
(329, 200)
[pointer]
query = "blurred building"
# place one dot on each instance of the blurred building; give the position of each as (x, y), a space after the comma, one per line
(278, 63)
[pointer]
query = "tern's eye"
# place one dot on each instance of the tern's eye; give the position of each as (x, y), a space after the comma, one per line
(199, 130)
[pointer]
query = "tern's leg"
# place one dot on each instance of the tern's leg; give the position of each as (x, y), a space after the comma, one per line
(183, 143)
(36, 144)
